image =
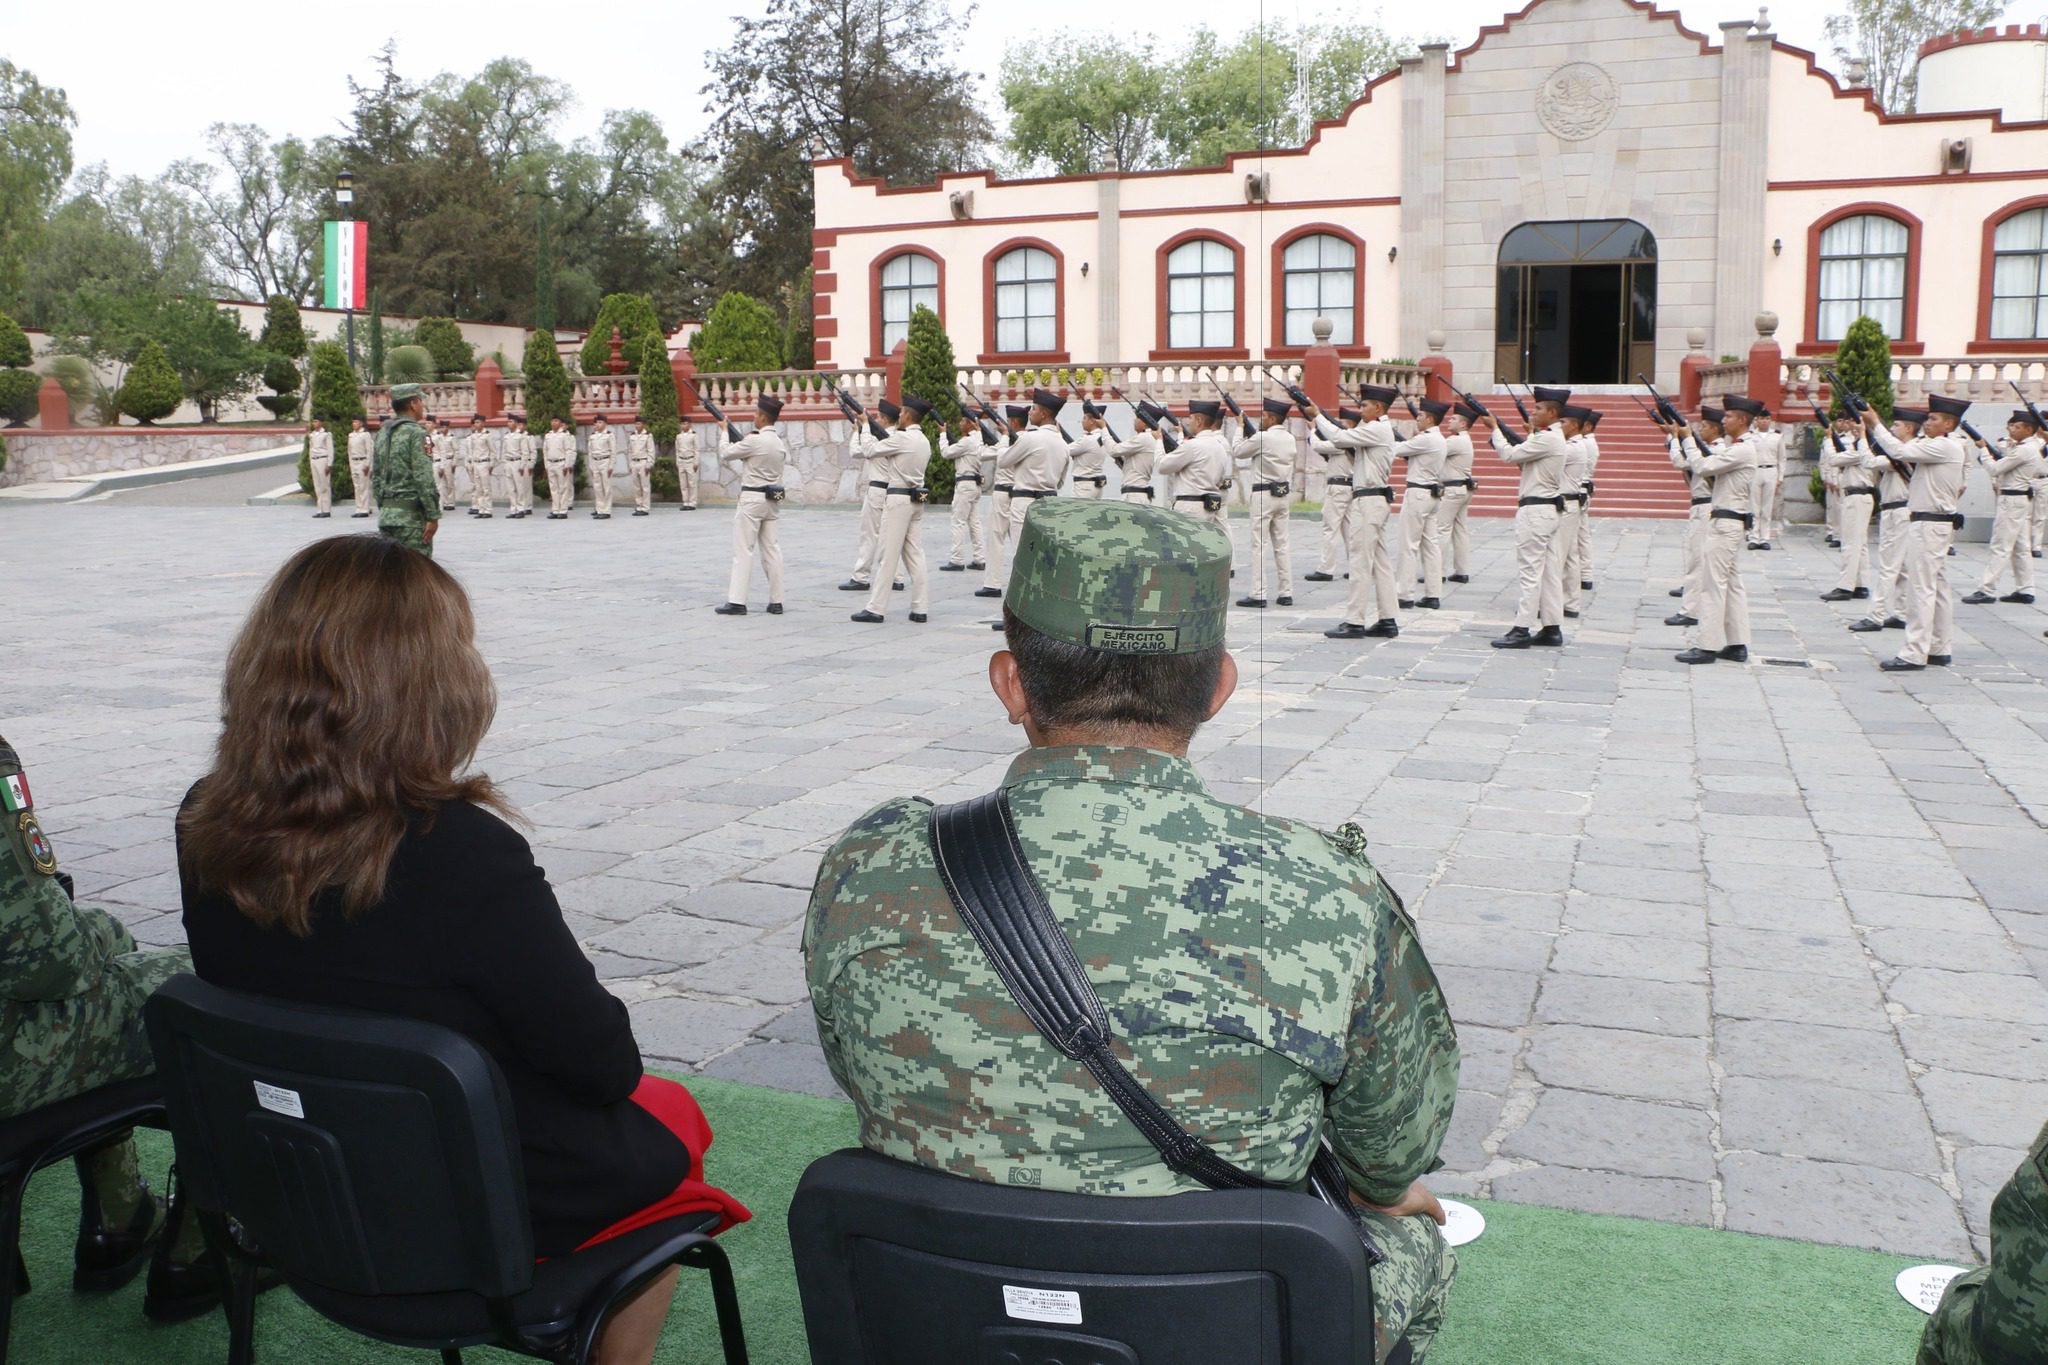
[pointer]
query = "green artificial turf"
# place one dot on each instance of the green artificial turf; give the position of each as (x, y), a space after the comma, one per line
(1543, 1285)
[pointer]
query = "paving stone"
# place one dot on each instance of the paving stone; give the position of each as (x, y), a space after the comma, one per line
(1600, 1132)
(1474, 1119)
(1629, 1196)
(1981, 1046)
(675, 1029)
(1633, 956)
(1847, 1205)
(671, 939)
(1894, 910)
(1983, 1172)
(747, 902)
(1614, 1002)
(1647, 884)
(1747, 993)
(780, 1066)
(1486, 1058)
(1826, 1122)
(1970, 1108)
(1861, 1059)
(1649, 919)
(1971, 995)
(1768, 950)
(1522, 910)
(799, 1025)
(754, 971)
(1485, 995)
(1484, 945)
(1648, 1066)
(1947, 950)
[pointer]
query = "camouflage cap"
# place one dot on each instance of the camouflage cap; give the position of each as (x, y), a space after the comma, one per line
(404, 393)
(1121, 578)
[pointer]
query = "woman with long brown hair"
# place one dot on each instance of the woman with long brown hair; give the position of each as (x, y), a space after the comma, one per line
(340, 852)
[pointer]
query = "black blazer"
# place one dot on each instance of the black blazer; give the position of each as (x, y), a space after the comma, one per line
(469, 936)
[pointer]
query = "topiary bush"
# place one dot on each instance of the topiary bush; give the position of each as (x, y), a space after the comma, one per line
(742, 334)
(280, 376)
(454, 357)
(1864, 360)
(409, 365)
(634, 316)
(659, 410)
(18, 384)
(151, 389)
(336, 401)
(15, 352)
(929, 373)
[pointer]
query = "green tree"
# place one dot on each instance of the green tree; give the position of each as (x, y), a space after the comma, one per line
(799, 341)
(214, 358)
(1864, 360)
(409, 365)
(376, 339)
(261, 220)
(110, 243)
(336, 401)
(281, 377)
(741, 334)
(76, 376)
(634, 316)
(15, 352)
(1885, 37)
(659, 410)
(1082, 104)
(284, 331)
(930, 374)
(454, 357)
(35, 161)
(151, 389)
(549, 395)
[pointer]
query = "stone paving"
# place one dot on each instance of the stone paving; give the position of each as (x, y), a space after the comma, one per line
(1758, 947)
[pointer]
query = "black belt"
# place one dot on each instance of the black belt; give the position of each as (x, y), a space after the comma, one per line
(1195, 497)
(1729, 514)
(1579, 498)
(1773, 468)
(967, 478)
(2015, 492)
(1141, 492)
(1460, 483)
(1031, 492)
(915, 492)
(1097, 479)
(1338, 483)
(1858, 492)
(774, 491)
(1282, 487)
(1954, 519)
(1002, 488)
(1435, 490)
(1702, 502)
(1386, 493)
(878, 483)
(1891, 506)
(1557, 502)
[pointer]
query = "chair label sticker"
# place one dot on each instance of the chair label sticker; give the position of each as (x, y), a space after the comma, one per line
(1042, 1305)
(279, 1100)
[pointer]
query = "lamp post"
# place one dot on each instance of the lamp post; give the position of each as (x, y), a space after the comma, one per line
(345, 199)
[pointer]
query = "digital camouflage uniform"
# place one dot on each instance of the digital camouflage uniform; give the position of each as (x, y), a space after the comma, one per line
(408, 498)
(1263, 984)
(1998, 1314)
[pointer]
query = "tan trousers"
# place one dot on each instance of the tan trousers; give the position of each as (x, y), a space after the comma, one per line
(1888, 594)
(1142, 499)
(1723, 604)
(480, 497)
(561, 485)
(873, 501)
(1456, 535)
(753, 527)
(1422, 544)
(2009, 531)
(1852, 528)
(520, 495)
(1765, 498)
(1088, 488)
(601, 488)
(1564, 554)
(323, 483)
(1539, 603)
(1585, 556)
(1833, 507)
(444, 479)
(1930, 606)
(998, 539)
(643, 484)
(1372, 597)
(1695, 548)
(1269, 527)
(1335, 502)
(359, 474)
(2040, 517)
(901, 549)
(686, 475)
(968, 542)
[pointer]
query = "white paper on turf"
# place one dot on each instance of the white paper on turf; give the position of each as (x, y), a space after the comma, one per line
(1921, 1285)
(1462, 1224)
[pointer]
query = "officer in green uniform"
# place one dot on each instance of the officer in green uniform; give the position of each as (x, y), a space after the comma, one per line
(408, 498)
(1998, 1314)
(1268, 985)
(72, 985)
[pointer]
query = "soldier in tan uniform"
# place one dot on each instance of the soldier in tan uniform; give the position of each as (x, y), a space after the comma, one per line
(1852, 498)
(1686, 456)
(1578, 470)
(442, 445)
(640, 463)
(320, 466)
(1939, 466)
(1770, 453)
(1136, 457)
(1539, 512)
(971, 440)
(1088, 451)
(1198, 473)
(519, 448)
(874, 498)
(687, 474)
(1589, 426)
(1336, 497)
(480, 453)
(2013, 473)
(1459, 486)
(1371, 506)
(1268, 454)
(1888, 601)
(360, 444)
(1028, 470)
(558, 450)
(904, 455)
(1422, 547)
(761, 457)
(1723, 605)
(601, 453)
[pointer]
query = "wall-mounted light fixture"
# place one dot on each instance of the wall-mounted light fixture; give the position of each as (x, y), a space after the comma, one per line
(1084, 270)
(1392, 252)
(1777, 246)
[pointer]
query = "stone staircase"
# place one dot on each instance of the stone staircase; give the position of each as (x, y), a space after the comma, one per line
(1635, 479)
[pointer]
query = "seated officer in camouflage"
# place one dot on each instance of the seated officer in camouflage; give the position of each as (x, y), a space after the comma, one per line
(72, 984)
(1264, 984)
(408, 498)
(1998, 1313)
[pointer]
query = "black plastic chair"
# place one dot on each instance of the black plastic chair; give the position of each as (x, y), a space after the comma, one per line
(42, 1137)
(899, 1265)
(375, 1163)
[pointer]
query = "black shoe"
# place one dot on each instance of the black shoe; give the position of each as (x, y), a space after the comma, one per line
(602, 516)
(483, 516)
(855, 585)
(775, 608)
(866, 617)
(555, 516)
(1284, 600)
(1319, 577)
(1518, 638)
(1386, 628)
(732, 609)
(105, 1259)
(995, 625)
(1866, 624)
(1736, 654)
(1459, 578)
(896, 587)
(2025, 599)
(2035, 553)
(1549, 635)
(918, 618)
(320, 516)
(952, 568)
(447, 507)
(1681, 619)
(1431, 603)
(1894, 623)
(1979, 598)
(977, 564)
(988, 592)
(1861, 594)
(1585, 585)
(1676, 592)
(179, 1291)
(1941, 660)
(639, 512)
(1838, 595)
(1834, 544)
(1901, 666)
(473, 512)
(1251, 601)
(1571, 613)
(1699, 656)
(1345, 631)
(359, 514)
(1951, 550)
(1405, 603)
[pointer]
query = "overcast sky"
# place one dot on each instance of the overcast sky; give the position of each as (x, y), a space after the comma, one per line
(146, 78)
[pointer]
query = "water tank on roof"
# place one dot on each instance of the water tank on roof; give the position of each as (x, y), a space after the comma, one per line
(1992, 68)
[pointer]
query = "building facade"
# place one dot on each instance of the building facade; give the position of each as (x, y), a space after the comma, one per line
(1566, 199)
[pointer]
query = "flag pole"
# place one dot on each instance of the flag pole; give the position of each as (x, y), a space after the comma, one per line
(345, 196)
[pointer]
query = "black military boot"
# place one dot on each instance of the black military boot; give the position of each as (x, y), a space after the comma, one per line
(107, 1258)
(1320, 577)
(1549, 635)
(1698, 656)
(731, 609)
(1738, 654)
(1517, 638)
(1385, 628)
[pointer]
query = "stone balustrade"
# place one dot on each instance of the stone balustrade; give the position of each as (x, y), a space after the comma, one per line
(1723, 381)
(1176, 384)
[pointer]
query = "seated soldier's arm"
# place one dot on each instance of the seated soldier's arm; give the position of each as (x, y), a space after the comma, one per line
(49, 949)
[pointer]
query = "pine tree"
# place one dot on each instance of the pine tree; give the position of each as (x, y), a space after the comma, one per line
(284, 332)
(18, 384)
(1864, 360)
(151, 389)
(543, 276)
(454, 357)
(658, 409)
(336, 401)
(548, 395)
(634, 316)
(742, 334)
(929, 373)
(376, 339)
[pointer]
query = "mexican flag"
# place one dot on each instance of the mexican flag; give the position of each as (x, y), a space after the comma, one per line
(347, 273)
(14, 793)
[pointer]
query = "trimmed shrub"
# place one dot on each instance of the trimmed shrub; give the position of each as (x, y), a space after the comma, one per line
(929, 373)
(409, 365)
(18, 396)
(284, 333)
(659, 410)
(741, 334)
(15, 352)
(1864, 360)
(151, 389)
(280, 376)
(634, 316)
(454, 357)
(336, 399)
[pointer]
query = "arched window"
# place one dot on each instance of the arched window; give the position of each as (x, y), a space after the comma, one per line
(2019, 277)
(1863, 272)
(909, 280)
(1201, 296)
(1027, 303)
(1319, 279)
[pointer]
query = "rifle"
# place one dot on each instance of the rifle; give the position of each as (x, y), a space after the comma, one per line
(1829, 427)
(1413, 415)
(851, 407)
(1644, 408)
(1224, 394)
(1480, 408)
(1294, 391)
(1667, 411)
(2032, 411)
(1527, 421)
(987, 414)
(1857, 406)
(1164, 411)
(732, 433)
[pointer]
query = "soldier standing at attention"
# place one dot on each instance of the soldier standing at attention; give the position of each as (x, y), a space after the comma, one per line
(320, 466)
(518, 466)
(481, 455)
(601, 453)
(1459, 486)
(1336, 496)
(558, 453)
(998, 477)
(1087, 453)
(2040, 503)
(1539, 511)
(1770, 450)
(1723, 605)
(1578, 469)
(640, 463)
(1589, 426)
(2012, 485)
(761, 457)
(1997, 1314)
(360, 443)
(1115, 658)
(442, 447)
(1136, 457)
(408, 498)
(1371, 444)
(1422, 546)
(874, 498)
(1888, 603)
(1939, 466)
(687, 473)
(1269, 454)
(906, 452)
(965, 450)
(1198, 474)
(1852, 497)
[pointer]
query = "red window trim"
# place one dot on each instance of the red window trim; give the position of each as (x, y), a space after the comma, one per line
(1277, 348)
(875, 353)
(989, 354)
(1910, 343)
(1986, 344)
(1162, 351)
